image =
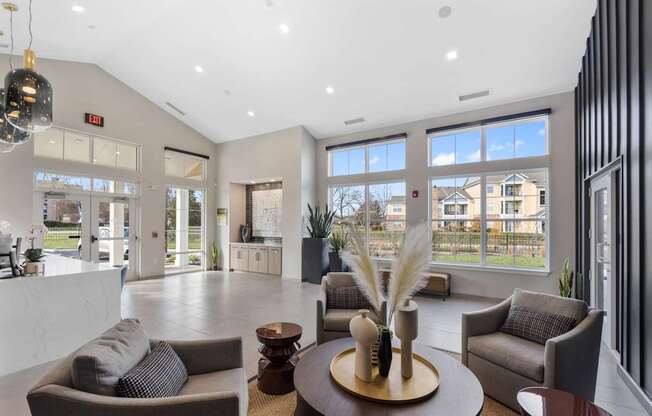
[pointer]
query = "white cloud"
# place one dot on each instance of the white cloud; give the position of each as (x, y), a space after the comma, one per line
(541, 132)
(443, 159)
(474, 157)
(496, 147)
(374, 160)
(519, 143)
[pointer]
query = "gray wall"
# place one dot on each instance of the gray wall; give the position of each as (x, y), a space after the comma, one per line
(561, 167)
(287, 155)
(80, 88)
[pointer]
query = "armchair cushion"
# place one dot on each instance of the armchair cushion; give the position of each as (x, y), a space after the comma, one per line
(98, 365)
(541, 302)
(536, 326)
(513, 353)
(338, 319)
(160, 374)
(231, 382)
(346, 297)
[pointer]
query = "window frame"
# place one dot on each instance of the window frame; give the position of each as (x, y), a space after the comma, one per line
(367, 195)
(366, 147)
(483, 140)
(483, 265)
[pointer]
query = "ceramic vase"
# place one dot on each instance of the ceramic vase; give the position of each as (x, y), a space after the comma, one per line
(407, 330)
(364, 332)
(385, 352)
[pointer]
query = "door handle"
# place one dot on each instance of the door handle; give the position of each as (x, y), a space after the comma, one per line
(93, 238)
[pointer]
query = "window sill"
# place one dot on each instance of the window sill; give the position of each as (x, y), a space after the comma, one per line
(478, 268)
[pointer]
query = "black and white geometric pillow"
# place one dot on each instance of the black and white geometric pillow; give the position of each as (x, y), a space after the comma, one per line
(159, 374)
(536, 326)
(346, 297)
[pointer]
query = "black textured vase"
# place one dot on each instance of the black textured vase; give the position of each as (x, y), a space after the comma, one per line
(385, 352)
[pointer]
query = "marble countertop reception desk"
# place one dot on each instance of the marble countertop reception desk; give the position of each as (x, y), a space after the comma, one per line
(47, 317)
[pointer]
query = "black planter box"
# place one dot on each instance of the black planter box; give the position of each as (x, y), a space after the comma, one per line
(314, 259)
(336, 264)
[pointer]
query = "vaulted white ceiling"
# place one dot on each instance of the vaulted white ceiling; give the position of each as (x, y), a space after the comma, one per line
(385, 59)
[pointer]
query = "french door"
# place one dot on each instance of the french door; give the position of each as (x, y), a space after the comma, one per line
(113, 237)
(100, 229)
(603, 256)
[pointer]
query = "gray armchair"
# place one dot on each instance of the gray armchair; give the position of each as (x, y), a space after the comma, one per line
(217, 385)
(334, 323)
(505, 364)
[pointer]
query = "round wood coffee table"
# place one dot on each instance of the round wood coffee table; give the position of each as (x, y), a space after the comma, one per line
(541, 401)
(459, 391)
(279, 343)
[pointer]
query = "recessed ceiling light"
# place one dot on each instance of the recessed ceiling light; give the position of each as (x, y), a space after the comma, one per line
(451, 55)
(51, 141)
(330, 90)
(78, 9)
(445, 11)
(199, 68)
(284, 29)
(251, 114)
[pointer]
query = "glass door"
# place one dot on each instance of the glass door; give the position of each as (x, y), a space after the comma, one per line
(184, 229)
(112, 237)
(66, 216)
(603, 289)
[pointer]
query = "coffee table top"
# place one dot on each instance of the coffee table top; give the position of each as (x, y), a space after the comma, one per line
(278, 331)
(541, 401)
(459, 392)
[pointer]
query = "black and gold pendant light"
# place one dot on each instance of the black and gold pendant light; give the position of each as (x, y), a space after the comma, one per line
(10, 135)
(28, 95)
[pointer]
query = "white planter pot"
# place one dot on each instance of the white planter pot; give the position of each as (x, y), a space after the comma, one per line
(364, 332)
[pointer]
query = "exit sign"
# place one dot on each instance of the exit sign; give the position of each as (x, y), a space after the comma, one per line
(94, 119)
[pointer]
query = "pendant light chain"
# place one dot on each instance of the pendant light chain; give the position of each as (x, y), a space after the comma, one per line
(11, 30)
(29, 25)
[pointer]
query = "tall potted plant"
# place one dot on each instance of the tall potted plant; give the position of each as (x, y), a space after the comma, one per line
(215, 257)
(566, 280)
(339, 241)
(314, 250)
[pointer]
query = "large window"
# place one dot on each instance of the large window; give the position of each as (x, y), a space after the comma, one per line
(524, 138)
(184, 228)
(181, 165)
(376, 157)
(502, 226)
(377, 210)
(62, 144)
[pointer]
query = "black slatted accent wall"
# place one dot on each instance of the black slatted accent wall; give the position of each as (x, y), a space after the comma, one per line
(613, 125)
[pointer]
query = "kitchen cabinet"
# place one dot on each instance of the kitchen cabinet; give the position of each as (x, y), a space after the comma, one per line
(256, 258)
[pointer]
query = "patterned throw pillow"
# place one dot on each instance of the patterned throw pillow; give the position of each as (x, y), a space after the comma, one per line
(346, 297)
(160, 374)
(536, 326)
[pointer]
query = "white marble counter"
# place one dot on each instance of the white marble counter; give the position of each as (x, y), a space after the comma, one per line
(47, 317)
(258, 245)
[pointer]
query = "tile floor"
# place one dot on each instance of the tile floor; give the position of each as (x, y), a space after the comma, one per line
(216, 304)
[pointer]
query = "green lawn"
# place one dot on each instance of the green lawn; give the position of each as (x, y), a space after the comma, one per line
(470, 259)
(59, 239)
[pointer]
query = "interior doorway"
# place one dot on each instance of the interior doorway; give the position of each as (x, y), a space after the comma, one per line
(604, 255)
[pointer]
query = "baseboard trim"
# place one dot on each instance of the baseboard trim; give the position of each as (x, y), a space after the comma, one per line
(636, 390)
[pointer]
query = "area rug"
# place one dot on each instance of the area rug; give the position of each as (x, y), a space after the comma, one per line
(261, 404)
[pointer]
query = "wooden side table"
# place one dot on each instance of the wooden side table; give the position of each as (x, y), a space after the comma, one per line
(541, 401)
(279, 344)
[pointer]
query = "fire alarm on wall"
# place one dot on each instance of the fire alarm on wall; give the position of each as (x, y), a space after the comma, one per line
(415, 194)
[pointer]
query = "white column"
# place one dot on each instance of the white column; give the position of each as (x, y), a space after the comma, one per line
(116, 229)
(182, 227)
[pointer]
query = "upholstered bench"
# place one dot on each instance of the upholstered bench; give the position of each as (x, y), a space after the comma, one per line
(438, 284)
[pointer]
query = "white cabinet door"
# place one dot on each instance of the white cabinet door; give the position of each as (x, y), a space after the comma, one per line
(262, 261)
(241, 258)
(274, 261)
(253, 259)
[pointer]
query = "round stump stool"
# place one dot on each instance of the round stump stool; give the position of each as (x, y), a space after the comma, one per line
(279, 344)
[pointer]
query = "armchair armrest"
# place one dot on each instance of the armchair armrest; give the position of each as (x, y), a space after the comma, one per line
(321, 311)
(56, 400)
(208, 356)
(383, 312)
(485, 321)
(571, 359)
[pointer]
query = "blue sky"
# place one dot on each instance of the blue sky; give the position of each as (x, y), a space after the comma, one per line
(506, 142)
(382, 157)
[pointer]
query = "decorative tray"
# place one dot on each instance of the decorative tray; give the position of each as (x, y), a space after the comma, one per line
(392, 389)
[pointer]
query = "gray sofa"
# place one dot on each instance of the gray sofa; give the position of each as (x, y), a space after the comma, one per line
(505, 364)
(334, 323)
(217, 385)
